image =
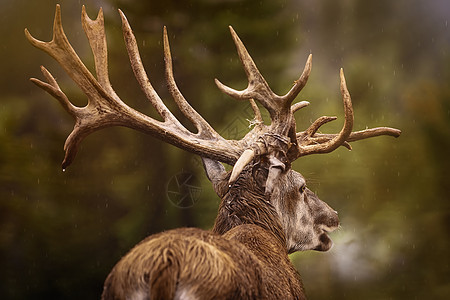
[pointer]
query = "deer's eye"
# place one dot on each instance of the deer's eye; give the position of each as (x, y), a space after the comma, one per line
(302, 188)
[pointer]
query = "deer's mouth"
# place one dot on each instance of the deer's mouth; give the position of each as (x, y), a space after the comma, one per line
(325, 242)
(327, 229)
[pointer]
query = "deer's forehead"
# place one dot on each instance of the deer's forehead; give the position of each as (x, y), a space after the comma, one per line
(295, 178)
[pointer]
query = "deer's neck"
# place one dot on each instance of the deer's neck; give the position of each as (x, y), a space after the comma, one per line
(245, 203)
(272, 257)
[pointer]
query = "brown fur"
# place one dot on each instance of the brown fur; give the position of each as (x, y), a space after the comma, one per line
(237, 265)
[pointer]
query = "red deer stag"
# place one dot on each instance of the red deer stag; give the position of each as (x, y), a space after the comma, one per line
(266, 210)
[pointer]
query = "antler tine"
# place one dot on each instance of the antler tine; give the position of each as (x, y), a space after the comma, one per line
(203, 127)
(53, 89)
(258, 117)
(357, 135)
(299, 105)
(317, 124)
(140, 73)
(299, 84)
(373, 132)
(95, 31)
(304, 146)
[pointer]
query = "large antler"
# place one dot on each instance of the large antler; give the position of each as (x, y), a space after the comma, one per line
(282, 143)
(105, 108)
(279, 141)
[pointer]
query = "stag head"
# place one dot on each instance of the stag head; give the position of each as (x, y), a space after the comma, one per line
(296, 216)
(265, 153)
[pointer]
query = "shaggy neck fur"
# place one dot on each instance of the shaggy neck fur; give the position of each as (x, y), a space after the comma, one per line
(246, 203)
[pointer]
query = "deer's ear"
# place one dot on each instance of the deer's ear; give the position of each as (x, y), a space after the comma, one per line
(275, 169)
(216, 173)
(259, 173)
(266, 173)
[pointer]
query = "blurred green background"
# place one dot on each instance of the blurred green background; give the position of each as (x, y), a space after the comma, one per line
(62, 232)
